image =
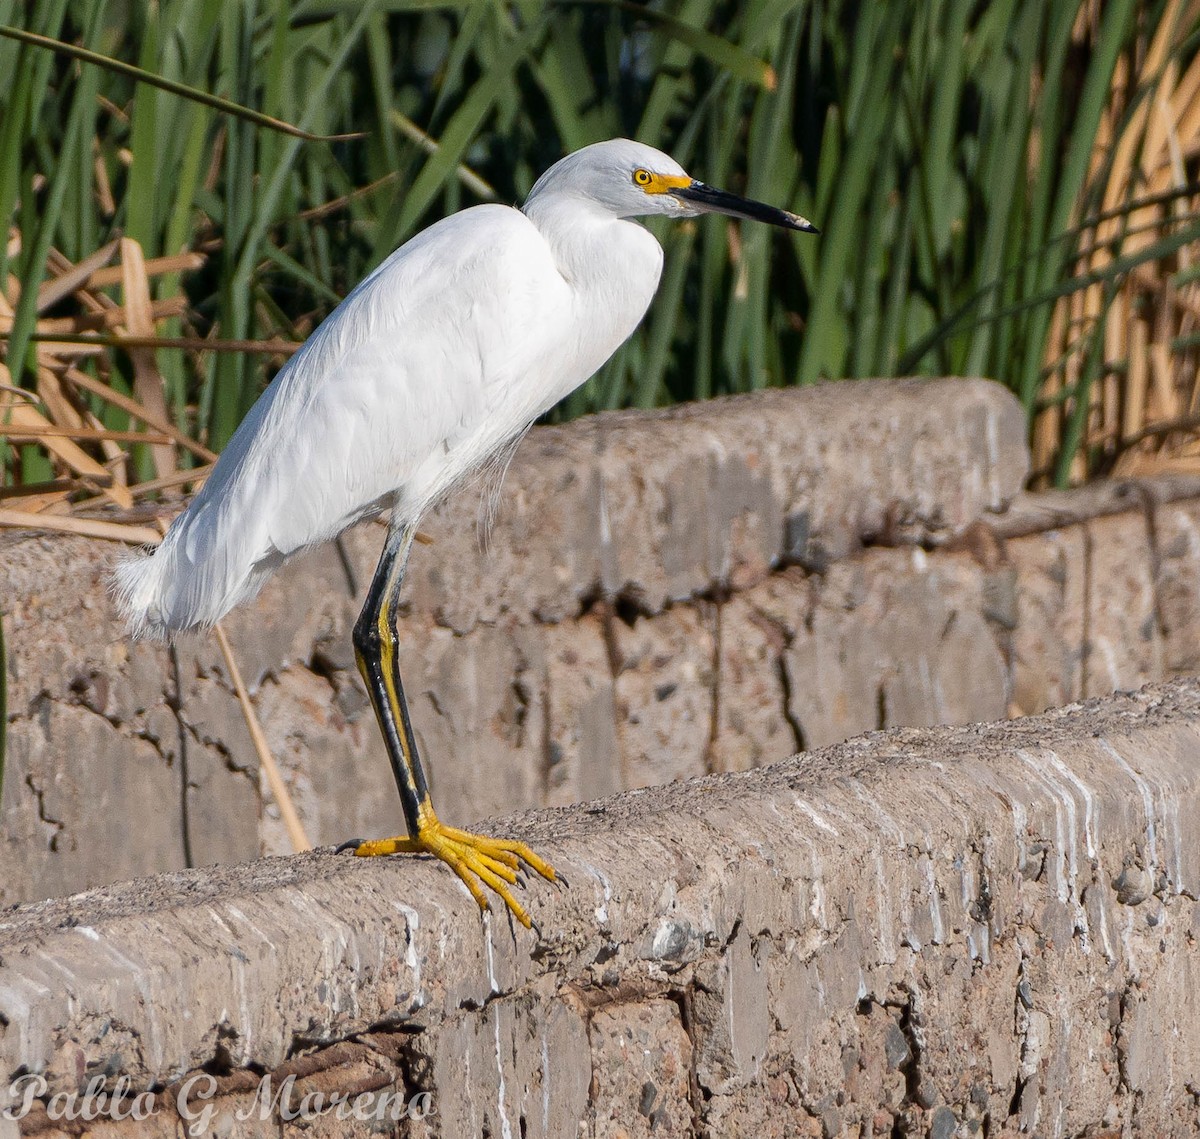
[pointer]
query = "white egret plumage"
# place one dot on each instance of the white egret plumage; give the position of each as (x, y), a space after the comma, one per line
(448, 350)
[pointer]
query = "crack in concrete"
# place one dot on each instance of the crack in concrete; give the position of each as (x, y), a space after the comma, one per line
(607, 614)
(687, 1021)
(221, 748)
(1121, 1048)
(1085, 648)
(786, 637)
(43, 815)
(174, 701)
(715, 611)
(550, 751)
(72, 700)
(799, 738)
(1150, 512)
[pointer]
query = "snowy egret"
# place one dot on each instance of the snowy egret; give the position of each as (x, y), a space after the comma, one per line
(452, 347)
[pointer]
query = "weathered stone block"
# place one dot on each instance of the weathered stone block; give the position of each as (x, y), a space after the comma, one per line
(943, 665)
(1048, 643)
(752, 711)
(334, 764)
(1124, 637)
(221, 818)
(702, 511)
(1177, 533)
(469, 704)
(83, 803)
(535, 1052)
(665, 698)
(732, 1016)
(833, 667)
(570, 676)
(895, 638)
(891, 474)
(641, 1060)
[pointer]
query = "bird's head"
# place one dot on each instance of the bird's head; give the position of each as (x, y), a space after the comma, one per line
(630, 179)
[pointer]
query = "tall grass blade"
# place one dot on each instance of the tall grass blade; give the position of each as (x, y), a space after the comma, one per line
(959, 158)
(225, 106)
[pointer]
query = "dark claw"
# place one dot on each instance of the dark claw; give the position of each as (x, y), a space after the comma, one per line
(560, 877)
(536, 928)
(349, 844)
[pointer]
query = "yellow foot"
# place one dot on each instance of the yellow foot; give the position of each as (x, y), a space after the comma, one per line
(475, 858)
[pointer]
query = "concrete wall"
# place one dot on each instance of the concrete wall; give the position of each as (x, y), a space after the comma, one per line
(991, 930)
(662, 595)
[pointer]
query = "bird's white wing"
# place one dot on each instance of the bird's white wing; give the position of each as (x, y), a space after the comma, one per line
(451, 346)
(439, 353)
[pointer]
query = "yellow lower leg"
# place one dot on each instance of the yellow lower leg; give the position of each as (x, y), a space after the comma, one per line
(478, 860)
(475, 858)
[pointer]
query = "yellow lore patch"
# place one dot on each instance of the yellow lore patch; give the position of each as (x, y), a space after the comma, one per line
(653, 183)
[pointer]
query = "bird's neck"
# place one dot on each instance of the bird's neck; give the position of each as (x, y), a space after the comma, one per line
(586, 239)
(611, 269)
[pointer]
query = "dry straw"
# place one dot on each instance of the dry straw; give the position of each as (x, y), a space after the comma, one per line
(1120, 362)
(90, 495)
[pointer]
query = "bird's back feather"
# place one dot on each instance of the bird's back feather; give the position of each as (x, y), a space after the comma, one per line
(449, 348)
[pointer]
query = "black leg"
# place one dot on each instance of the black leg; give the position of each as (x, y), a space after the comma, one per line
(477, 859)
(375, 649)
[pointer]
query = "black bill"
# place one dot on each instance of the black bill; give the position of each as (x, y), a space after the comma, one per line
(711, 200)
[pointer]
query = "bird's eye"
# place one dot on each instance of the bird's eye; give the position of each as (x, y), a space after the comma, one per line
(643, 177)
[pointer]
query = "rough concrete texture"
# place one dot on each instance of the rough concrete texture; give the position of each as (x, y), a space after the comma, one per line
(988, 930)
(608, 506)
(642, 611)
